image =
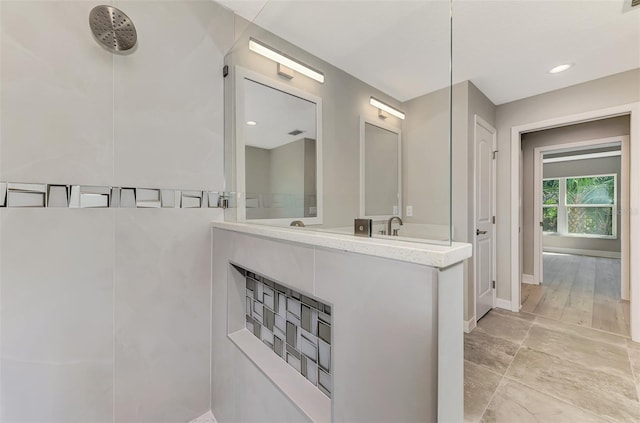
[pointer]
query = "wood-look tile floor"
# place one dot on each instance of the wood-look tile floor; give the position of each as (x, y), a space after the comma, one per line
(579, 290)
(525, 368)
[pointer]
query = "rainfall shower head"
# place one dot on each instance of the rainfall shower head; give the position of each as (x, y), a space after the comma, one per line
(112, 28)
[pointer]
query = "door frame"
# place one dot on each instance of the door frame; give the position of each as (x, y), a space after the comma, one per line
(631, 109)
(477, 120)
(622, 202)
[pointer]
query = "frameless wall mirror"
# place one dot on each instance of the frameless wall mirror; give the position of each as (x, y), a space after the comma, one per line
(354, 70)
(380, 170)
(278, 150)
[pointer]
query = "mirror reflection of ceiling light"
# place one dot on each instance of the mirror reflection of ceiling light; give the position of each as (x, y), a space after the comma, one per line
(383, 106)
(251, 123)
(281, 58)
(560, 68)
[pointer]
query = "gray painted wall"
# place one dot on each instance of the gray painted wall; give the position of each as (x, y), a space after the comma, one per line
(283, 178)
(425, 163)
(425, 153)
(257, 178)
(287, 180)
(615, 90)
(582, 132)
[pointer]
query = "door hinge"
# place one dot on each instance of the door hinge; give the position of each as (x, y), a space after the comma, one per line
(493, 285)
(493, 220)
(494, 154)
(225, 71)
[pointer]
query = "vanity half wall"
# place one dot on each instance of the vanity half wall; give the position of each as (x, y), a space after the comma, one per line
(396, 319)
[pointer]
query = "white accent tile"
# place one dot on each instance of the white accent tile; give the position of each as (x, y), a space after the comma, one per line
(324, 355)
(258, 310)
(266, 335)
(260, 289)
(324, 380)
(282, 304)
(312, 372)
(293, 306)
(293, 319)
(307, 348)
(268, 297)
(294, 362)
(280, 334)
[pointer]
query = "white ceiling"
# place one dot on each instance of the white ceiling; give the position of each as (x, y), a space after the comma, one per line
(276, 114)
(504, 47)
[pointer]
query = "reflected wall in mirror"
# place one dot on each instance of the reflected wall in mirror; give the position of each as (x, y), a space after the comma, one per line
(380, 170)
(278, 151)
(346, 93)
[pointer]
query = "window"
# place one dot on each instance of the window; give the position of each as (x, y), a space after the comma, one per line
(550, 195)
(580, 206)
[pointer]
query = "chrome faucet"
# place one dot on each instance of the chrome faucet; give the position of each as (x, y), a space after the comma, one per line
(395, 233)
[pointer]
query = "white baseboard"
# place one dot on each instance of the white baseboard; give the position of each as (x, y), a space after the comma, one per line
(470, 324)
(581, 252)
(528, 279)
(504, 304)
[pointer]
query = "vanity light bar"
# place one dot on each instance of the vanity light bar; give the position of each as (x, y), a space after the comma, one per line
(383, 106)
(278, 57)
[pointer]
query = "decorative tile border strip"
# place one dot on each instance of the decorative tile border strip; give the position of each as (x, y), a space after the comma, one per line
(295, 327)
(14, 194)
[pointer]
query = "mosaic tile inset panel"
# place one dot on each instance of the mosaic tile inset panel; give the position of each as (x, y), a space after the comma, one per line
(294, 326)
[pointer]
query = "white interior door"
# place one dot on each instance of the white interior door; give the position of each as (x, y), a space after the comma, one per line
(484, 216)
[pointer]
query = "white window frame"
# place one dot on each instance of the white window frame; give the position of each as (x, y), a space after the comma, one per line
(563, 212)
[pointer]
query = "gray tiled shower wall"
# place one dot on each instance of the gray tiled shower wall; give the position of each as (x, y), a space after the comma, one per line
(296, 327)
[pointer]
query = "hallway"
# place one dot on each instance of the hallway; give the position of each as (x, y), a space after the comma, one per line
(525, 368)
(579, 290)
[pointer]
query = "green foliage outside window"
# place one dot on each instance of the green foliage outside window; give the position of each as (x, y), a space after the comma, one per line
(591, 190)
(589, 205)
(550, 196)
(595, 190)
(590, 220)
(550, 219)
(550, 191)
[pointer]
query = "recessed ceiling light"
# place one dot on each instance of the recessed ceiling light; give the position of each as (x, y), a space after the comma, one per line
(561, 68)
(251, 123)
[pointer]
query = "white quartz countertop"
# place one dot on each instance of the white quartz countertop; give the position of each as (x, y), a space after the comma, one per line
(412, 252)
